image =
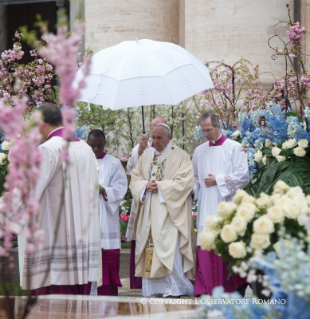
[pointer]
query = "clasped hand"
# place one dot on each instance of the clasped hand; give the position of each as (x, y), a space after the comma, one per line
(210, 181)
(152, 187)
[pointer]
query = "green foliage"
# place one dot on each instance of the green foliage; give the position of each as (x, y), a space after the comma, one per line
(294, 172)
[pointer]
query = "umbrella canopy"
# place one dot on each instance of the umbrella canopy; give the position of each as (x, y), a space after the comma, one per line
(143, 72)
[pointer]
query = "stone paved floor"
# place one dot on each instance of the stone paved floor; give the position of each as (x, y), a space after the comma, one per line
(124, 275)
(12, 275)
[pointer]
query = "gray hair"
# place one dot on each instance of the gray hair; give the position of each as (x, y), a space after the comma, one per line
(214, 118)
(167, 130)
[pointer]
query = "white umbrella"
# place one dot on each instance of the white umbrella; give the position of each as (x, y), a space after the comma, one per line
(143, 72)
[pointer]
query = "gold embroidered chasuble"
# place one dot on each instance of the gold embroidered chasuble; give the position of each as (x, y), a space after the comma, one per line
(174, 176)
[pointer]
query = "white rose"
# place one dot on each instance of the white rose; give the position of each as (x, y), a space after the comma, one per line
(5, 145)
(300, 152)
(294, 192)
(248, 199)
(258, 156)
(304, 220)
(212, 222)
(275, 197)
(275, 151)
(303, 143)
(228, 234)
(280, 158)
(2, 158)
(259, 241)
(239, 224)
(247, 211)
(275, 214)
(268, 143)
(225, 209)
(206, 239)
(279, 245)
(263, 201)
(240, 193)
(263, 225)
(237, 250)
(285, 146)
(302, 203)
(290, 209)
(264, 160)
(280, 187)
(291, 143)
(236, 134)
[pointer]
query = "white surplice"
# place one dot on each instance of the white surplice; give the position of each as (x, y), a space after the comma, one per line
(74, 257)
(131, 164)
(229, 165)
(113, 179)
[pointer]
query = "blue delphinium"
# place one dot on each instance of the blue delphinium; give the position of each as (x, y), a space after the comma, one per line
(198, 133)
(81, 132)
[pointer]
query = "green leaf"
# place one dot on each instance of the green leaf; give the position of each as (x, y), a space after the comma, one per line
(294, 114)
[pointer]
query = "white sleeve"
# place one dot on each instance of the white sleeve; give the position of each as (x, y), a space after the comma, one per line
(117, 188)
(239, 178)
(145, 195)
(133, 159)
(196, 178)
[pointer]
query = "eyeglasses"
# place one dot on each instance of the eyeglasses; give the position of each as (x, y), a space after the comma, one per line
(207, 131)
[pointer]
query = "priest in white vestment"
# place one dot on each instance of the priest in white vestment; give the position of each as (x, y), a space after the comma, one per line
(220, 168)
(137, 151)
(113, 187)
(69, 261)
(165, 237)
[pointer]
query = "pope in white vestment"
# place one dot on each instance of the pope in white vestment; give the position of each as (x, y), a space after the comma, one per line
(69, 262)
(137, 151)
(220, 168)
(113, 187)
(165, 238)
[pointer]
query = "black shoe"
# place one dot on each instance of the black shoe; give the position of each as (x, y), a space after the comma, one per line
(242, 289)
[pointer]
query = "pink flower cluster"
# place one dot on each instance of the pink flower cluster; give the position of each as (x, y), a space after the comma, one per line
(194, 215)
(123, 158)
(63, 52)
(124, 217)
(23, 173)
(17, 80)
(297, 32)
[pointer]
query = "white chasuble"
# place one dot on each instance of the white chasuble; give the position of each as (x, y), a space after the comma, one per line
(229, 165)
(169, 220)
(71, 253)
(113, 179)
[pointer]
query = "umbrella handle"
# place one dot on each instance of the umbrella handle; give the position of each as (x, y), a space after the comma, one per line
(143, 124)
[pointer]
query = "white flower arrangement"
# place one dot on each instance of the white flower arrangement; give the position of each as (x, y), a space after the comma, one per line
(270, 151)
(247, 226)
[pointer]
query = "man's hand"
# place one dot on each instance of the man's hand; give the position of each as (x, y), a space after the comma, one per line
(101, 190)
(210, 181)
(152, 187)
(142, 145)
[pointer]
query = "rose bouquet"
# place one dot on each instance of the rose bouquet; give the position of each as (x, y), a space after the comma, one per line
(247, 226)
(289, 162)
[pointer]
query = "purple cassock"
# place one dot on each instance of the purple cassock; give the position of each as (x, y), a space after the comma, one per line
(110, 273)
(211, 271)
(135, 282)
